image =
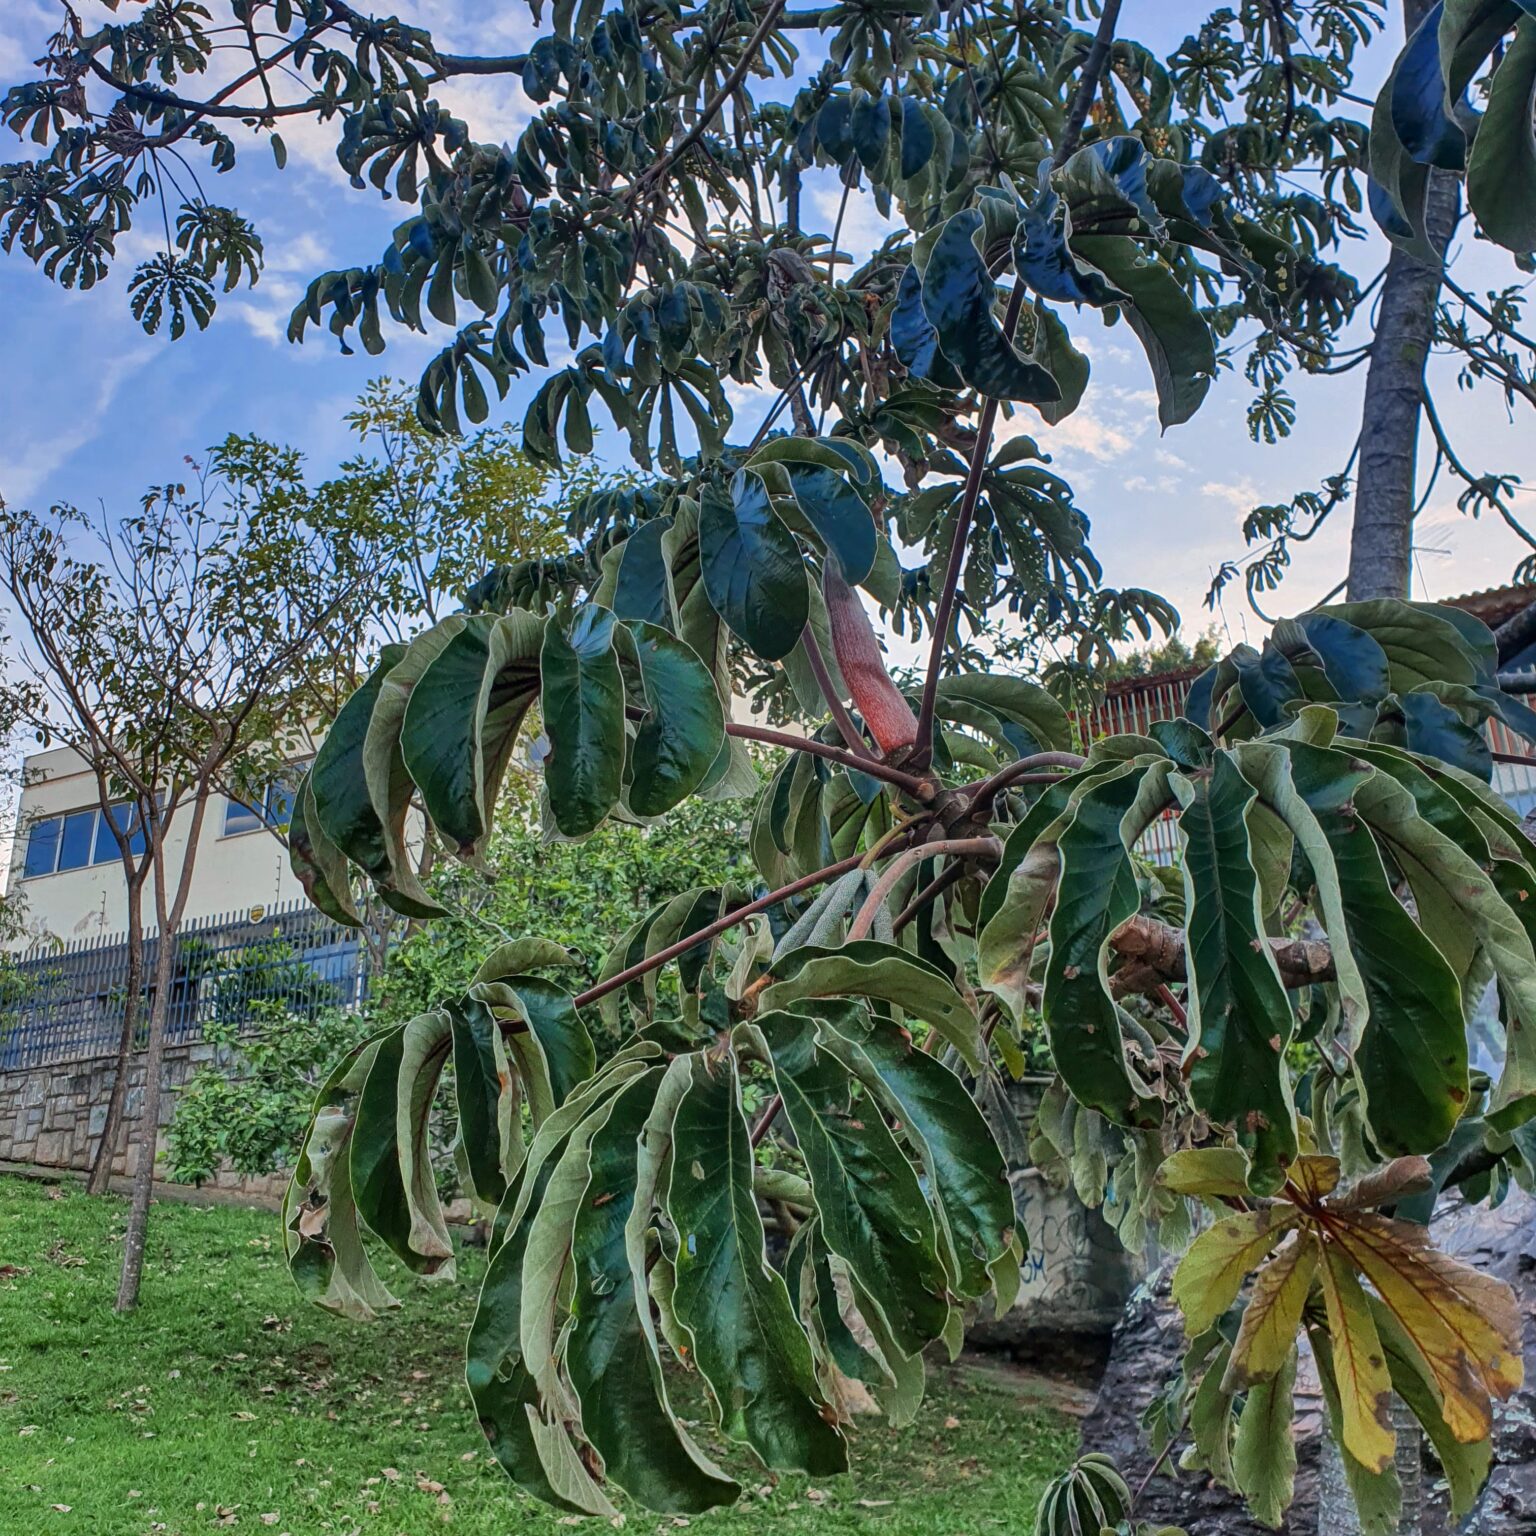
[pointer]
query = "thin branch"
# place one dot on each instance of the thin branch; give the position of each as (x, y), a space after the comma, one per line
(719, 926)
(840, 716)
(972, 493)
(1024, 771)
(930, 893)
(870, 765)
(955, 847)
(728, 87)
(1088, 82)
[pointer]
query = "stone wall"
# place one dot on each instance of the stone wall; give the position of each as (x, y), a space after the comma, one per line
(51, 1116)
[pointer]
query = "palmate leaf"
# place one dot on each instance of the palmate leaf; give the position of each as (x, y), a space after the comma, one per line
(437, 725)
(633, 1185)
(1446, 1332)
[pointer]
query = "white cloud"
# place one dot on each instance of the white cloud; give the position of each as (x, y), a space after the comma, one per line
(27, 468)
(1241, 495)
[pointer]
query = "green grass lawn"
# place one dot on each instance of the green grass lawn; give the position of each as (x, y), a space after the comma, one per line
(223, 1402)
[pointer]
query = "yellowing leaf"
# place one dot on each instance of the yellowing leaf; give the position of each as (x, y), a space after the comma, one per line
(1211, 1171)
(1267, 1337)
(1316, 1177)
(1360, 1366)
(1211, 1274)
(1466, 1324)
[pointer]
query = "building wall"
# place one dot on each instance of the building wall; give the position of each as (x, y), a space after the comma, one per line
(231, 874)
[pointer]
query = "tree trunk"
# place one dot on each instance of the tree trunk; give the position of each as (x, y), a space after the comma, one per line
(1381, 544)
(137, 1232)
(111, 1131)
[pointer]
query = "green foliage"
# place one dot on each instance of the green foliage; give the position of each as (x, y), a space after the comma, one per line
(1030, 172)
(250, 1114)
(576, 894)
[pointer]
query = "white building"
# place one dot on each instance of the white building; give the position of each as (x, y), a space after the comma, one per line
(65, 863)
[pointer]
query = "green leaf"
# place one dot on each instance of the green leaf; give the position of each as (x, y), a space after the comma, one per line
(640, 585)
(612, 1359)
(1264, 1448)
(390, 787)
(424, 1052)
(1018, 703)
(873, 1213)
(378, 1180)
(486, 1093)
(1501, 172)
(1053, 351)
(548, 1011)
(1095, 893)
(752, 568)
(1172, 332)
(519, 955)
(1400, 999)
(338, 781)
(732, 1304)
(1352, 659)
(583, 703)
(321, 1234)
(502, 1387)
(958, 296)
(462, 720)
(1239, 1017)
(317, 863)
(965, 1170)
(1421, 645)
(868, 968)
(840, 516)
(683, 731)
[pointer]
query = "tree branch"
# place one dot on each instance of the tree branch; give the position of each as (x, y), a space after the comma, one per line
(1088, 82)
(1153, 954)
(720, 925)
(956, 847)
(870, 765)
(923, 752)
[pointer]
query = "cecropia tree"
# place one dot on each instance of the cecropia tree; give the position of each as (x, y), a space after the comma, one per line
(942, 868)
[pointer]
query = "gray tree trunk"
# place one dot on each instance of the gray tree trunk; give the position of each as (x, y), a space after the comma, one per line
(1381, 543)
(137, 1232)
(111, 1131)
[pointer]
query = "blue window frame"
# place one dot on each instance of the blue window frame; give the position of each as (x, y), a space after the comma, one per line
(43, 847)
(78, 839)
(273, 808)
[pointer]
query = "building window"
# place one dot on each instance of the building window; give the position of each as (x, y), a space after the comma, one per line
(273, 809)
(81, 838)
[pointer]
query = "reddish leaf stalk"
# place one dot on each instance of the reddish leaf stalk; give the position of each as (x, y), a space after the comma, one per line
(910, 782)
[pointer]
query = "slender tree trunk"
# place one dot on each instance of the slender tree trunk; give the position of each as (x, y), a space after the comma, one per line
(111, 1131)
(168, 916)
(1381, 544)
(137, 1233)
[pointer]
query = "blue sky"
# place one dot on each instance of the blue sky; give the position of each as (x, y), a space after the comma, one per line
(92, 411)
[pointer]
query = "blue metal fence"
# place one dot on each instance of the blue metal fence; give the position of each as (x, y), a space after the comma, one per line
(65, 1003)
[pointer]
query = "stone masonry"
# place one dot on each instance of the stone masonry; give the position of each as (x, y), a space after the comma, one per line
(51, 1116)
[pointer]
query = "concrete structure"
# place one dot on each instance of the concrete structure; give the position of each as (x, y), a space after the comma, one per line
(76, 890)
(51, 1116)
